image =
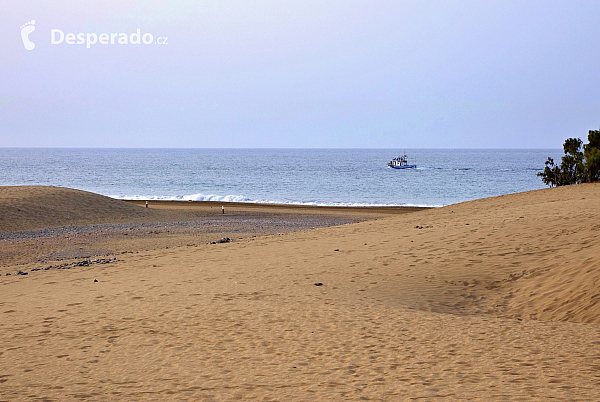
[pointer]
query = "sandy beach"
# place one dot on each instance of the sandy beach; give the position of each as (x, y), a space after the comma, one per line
(493, 299)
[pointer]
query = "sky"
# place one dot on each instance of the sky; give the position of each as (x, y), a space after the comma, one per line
(300, 74)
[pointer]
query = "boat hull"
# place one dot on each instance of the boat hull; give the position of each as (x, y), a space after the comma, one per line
(403, 167)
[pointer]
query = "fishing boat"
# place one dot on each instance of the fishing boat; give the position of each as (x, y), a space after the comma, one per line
(401, 162)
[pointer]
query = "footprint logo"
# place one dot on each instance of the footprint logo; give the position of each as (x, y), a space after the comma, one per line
(26, 29)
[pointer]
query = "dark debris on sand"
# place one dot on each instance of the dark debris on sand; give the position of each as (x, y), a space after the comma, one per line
(84, 263)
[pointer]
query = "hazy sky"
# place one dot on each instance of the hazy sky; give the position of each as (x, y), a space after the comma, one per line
(398, 74)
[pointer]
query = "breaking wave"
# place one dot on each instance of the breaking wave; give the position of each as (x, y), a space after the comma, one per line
(244, 199)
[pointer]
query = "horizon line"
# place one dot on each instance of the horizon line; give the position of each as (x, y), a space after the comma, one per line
(288, 148)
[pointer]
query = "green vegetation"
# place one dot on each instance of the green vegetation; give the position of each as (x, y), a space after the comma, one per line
(581, 163)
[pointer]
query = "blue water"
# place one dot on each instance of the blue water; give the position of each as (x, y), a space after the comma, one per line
(299, 176)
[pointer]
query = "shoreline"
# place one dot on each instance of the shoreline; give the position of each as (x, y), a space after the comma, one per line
(323, 204)
(278, 207)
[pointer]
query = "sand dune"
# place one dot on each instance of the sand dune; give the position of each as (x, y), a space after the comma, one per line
(533, 255)
(494, 299)
(38, 207)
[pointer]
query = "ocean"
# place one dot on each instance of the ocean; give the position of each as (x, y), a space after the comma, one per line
(344, 177)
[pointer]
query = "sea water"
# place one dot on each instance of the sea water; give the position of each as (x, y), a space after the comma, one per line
(287, 176)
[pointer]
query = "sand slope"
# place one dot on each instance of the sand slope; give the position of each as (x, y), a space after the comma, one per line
(494, 299)
(37, 207)
(531, 255)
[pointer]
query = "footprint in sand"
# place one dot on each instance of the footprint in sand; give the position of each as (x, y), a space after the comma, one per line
(26, 29)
